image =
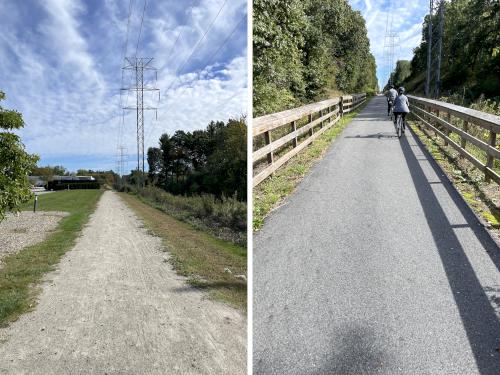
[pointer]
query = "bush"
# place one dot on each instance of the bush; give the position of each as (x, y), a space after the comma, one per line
(227, 212)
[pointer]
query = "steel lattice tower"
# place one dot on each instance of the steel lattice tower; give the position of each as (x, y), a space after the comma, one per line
(138, 65)
(434, 48)
(391, 44)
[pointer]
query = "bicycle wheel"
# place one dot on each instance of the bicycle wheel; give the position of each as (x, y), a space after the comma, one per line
(399, 126)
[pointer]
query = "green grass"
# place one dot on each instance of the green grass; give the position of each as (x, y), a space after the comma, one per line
(270, 193)
(199, 256)
(23, 271)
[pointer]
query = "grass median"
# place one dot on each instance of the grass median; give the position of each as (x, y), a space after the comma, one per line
(270, 193)
(22, 272)
(209, 263)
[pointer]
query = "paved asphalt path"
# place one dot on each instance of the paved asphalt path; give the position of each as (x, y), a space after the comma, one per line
(375, 265)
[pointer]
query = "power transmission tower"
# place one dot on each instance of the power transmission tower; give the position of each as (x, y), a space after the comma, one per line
(391, 44)
(121, 155)
(434, 48)
(138, 65)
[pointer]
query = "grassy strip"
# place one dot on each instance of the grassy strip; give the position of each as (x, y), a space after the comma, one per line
(208, 262)
(224, 218)
(22, 271)
(270, 193)
(468, 180)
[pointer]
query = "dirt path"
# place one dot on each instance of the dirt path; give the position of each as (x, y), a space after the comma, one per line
(115, 306)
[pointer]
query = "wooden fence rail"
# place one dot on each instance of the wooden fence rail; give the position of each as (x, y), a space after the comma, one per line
(285, 134)
(446, 119)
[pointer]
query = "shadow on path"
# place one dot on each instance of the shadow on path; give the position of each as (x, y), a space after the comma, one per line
(478, 316)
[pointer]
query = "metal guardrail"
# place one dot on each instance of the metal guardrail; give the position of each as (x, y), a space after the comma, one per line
(294, 129)
(446, 119)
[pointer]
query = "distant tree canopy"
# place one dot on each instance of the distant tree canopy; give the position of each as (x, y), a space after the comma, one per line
(48, 171)
(400, 74)
(307, 50)
(471, 50)
(15, 162)
(102, 177)
(211, 161)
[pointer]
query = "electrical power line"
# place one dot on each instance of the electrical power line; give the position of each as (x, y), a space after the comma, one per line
(179, 69)
(194, 50)
(120, 147)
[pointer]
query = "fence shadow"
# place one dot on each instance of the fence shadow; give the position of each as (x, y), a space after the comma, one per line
(478, 316)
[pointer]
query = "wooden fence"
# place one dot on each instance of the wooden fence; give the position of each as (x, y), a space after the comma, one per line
(280, 136)
(472, 133)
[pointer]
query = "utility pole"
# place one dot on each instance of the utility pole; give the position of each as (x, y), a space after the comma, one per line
(138, 65)
(434, 48)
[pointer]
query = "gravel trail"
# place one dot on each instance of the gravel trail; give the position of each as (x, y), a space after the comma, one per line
(115, 306)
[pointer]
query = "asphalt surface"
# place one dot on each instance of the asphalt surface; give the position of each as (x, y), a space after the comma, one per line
(375, 265)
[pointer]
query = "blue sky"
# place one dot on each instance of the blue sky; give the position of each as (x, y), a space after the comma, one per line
(407, 23)
(61, 68)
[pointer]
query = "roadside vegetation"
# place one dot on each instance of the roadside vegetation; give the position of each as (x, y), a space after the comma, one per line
(270, 193)
(223, 217)
(209, 263)
(21, 272)
(307, 50)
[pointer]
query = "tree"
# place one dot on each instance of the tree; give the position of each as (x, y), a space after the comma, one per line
(400, 73)
(15, 162)
(154, 162)
(166, 159)
(308, 50)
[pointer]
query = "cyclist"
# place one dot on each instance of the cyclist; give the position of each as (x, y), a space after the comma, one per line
(391, 96)
(401, 106)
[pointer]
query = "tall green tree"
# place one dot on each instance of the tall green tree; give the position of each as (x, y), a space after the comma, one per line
(154, 163)
(15, 162)
(306, 51)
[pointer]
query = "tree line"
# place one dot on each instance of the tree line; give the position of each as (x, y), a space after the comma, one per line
(47, 172)
(470, 52)
(308, 50)
(210, 161)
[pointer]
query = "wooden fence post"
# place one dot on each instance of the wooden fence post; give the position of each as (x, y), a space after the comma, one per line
(341, 106)
(267, 139)
(463, 141)
(294, 128)
(446, 130)
(310, 119)
(489, 161)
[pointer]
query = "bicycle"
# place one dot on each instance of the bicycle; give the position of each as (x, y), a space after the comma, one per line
(400, 125)
(391, 111)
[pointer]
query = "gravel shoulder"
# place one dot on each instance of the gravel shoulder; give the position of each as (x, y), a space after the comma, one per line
(116, 306)
(26, 229)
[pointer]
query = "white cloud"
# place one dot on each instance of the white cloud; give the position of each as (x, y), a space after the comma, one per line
(63, 73)
(407, 18)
